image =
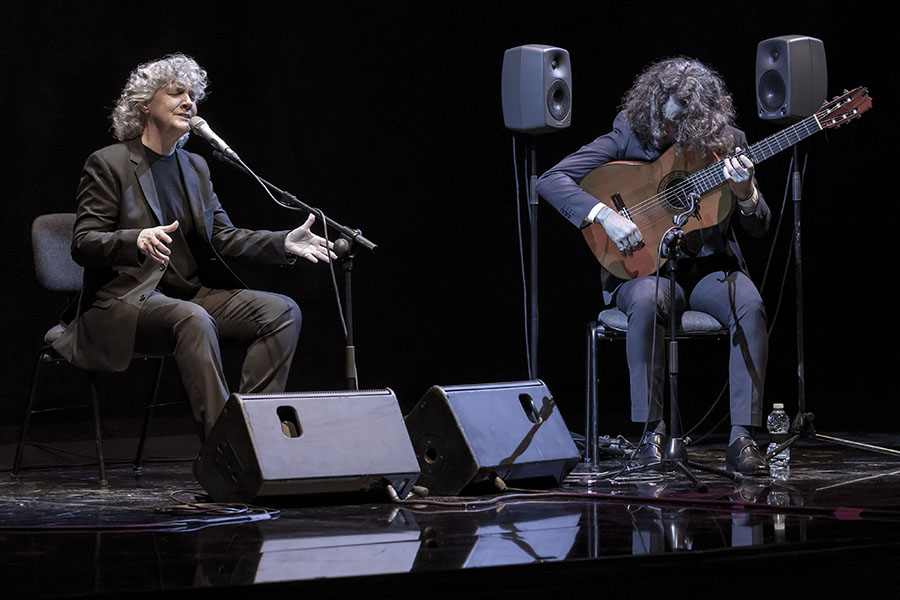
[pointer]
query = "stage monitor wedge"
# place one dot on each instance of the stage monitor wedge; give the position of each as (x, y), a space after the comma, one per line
(791, 78)
(536, 89)
(465, 435)
(265, 445)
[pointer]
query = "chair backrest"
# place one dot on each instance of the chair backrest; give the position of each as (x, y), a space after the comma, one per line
(51, 241)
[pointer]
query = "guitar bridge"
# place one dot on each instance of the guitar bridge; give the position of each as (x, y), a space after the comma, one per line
(620, 205)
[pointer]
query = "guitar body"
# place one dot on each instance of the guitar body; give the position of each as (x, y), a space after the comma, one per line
(650, 194)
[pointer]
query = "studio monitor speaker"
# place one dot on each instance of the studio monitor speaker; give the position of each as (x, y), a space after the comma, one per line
(537, 89)
(466, 435)
(791, 78)
(306, 443)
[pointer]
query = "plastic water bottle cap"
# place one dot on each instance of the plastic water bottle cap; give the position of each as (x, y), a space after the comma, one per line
(777, 406)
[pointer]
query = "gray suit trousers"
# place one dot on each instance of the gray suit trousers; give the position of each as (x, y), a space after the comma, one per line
(730, 297)
(267, 324)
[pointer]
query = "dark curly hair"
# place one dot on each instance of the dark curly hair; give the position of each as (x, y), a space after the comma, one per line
(708, 108)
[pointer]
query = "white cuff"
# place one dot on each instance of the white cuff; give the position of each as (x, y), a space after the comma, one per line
(748, 206)
(595, 212)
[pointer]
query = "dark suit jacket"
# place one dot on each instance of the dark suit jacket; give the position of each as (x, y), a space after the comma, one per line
(116, 200)
(560, 186)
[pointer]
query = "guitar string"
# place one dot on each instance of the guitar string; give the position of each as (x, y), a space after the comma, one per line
(712, 175)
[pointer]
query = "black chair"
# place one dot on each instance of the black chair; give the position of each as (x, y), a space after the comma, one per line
(51, 239)
(612, 325)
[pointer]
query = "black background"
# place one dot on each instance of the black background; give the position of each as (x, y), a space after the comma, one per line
(387, 116)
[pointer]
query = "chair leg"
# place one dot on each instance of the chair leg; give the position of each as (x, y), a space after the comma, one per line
(138, 465)
(98, 432)
(20, 447)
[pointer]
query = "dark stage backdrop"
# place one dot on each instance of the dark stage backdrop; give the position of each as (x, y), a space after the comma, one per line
(387, 116)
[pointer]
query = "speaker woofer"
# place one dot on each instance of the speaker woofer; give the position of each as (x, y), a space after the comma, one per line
(772, 91)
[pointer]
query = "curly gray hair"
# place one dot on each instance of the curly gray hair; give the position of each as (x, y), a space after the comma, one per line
(708, 107)
(128, 120)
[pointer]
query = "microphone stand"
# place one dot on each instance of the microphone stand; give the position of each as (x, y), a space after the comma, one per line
(675, 455)
(344, 248)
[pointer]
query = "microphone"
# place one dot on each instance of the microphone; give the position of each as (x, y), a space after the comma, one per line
(202, 128)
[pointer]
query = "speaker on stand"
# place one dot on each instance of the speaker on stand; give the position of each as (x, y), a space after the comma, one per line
(537, 99)
(791, 78)
(791, 85)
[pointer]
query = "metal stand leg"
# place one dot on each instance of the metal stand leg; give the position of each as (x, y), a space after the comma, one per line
(98, 432)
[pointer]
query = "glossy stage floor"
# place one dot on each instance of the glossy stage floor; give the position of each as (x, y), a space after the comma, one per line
(831, 525)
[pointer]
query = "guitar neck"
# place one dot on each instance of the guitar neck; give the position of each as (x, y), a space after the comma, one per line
(783, 140)
(712, 176)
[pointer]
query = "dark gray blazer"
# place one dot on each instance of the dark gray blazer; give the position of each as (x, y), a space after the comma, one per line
(116, 200)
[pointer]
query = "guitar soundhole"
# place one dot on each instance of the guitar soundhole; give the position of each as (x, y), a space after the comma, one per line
(675, 192)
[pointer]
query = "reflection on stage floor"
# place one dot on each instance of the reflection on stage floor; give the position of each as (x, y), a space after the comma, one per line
(833, 521)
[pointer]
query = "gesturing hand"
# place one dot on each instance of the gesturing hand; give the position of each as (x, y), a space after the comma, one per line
(153, 242)
(303, 242)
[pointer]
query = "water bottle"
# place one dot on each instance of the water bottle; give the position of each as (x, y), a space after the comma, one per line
(778, 423)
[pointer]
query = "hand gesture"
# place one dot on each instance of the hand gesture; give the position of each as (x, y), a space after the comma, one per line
(152, 242)
(304, 243)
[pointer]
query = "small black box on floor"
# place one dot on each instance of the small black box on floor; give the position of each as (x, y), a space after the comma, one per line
(464, 435)
(267, 445)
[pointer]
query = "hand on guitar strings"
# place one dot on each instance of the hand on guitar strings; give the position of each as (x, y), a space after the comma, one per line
(623, 232)
(738, 170)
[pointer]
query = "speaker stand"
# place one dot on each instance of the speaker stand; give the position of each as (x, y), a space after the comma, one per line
(533, 317)
(802, 425)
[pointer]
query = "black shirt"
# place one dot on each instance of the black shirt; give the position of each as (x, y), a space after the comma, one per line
(181, 279)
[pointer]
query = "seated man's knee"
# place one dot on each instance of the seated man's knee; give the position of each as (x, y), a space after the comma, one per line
(196, 324)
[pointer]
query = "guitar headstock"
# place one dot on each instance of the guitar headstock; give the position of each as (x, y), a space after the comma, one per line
(844, 108)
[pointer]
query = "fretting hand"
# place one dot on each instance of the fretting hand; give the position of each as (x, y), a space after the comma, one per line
(304, 243)
(738, 170)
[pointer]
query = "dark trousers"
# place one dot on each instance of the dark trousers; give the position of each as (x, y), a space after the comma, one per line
(733, 299)
(267, 324)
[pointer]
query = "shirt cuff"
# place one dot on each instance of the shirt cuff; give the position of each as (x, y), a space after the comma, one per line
(748, 206)
(595, 212)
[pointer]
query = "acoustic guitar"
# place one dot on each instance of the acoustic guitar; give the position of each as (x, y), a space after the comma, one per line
(652, 194)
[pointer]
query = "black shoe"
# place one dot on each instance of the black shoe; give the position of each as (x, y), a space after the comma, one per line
(744, 457)
(650, 450)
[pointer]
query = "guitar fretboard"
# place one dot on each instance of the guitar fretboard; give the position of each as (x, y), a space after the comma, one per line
(712, 176)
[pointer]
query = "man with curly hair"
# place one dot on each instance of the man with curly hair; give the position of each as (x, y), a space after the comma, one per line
(683, 103)
(152, 235)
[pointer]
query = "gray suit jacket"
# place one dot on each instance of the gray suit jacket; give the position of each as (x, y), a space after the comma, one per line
(560, 187)
(116, 200)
